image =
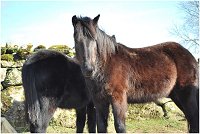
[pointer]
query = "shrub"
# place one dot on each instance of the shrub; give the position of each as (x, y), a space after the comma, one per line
(7, 57)
(71, 54)
(21, 54)
(40, 47)
(11, 50)
(29, 47)
(3, 50)
(63, 49)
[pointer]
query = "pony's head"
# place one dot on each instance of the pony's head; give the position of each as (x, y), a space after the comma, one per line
(85, 37)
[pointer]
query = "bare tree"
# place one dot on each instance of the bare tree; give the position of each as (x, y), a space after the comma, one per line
(188, 32)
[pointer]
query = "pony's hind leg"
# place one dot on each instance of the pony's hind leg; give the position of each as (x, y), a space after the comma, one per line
(47, 109)
(80, 119)
(91, 114)
(186, 100)
(173, 95)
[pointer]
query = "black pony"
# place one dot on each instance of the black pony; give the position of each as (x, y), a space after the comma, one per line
(51, 80)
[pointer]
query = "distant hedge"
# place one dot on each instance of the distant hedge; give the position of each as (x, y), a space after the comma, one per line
(63, 49)
(10, 52)
(40, 47)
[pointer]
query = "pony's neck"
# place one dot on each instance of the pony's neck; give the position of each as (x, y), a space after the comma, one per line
(106, 46)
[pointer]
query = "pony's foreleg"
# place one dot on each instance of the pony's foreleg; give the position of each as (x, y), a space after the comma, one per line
(102, 111)
(80, 119)
(119, 106)
(91, 114)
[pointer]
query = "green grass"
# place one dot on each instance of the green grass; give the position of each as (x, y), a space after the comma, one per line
(141, 122)
(59, 129)
(159, 125)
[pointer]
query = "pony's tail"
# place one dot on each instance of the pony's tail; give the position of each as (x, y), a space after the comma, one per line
(32, 104)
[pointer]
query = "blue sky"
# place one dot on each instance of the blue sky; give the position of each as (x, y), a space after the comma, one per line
(134, 23)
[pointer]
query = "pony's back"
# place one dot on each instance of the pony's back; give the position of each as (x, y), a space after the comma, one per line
(47, 68)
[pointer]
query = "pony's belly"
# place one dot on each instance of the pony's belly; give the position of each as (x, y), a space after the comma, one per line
(152, 91)
(144, 98)
(153, 84)
(73, 102)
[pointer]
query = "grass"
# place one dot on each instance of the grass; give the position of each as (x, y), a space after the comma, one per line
(158, 125)
(140, 119)
(140, 122)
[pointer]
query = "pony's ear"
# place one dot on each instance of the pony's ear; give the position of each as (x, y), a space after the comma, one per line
(95, 20)
(74, 20)
(113, 37)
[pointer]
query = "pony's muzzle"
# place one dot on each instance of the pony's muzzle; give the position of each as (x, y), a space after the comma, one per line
(87, 70)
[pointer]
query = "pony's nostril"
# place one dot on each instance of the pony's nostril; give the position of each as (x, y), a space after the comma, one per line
(87, 67)
(87, 70)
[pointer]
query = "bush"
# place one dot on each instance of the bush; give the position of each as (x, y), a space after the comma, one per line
(7, 57)
(40, 47)
(3, 50)
(18, 52)
(29, 47)
(11, 50)
(63, 49)
(21, 54)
